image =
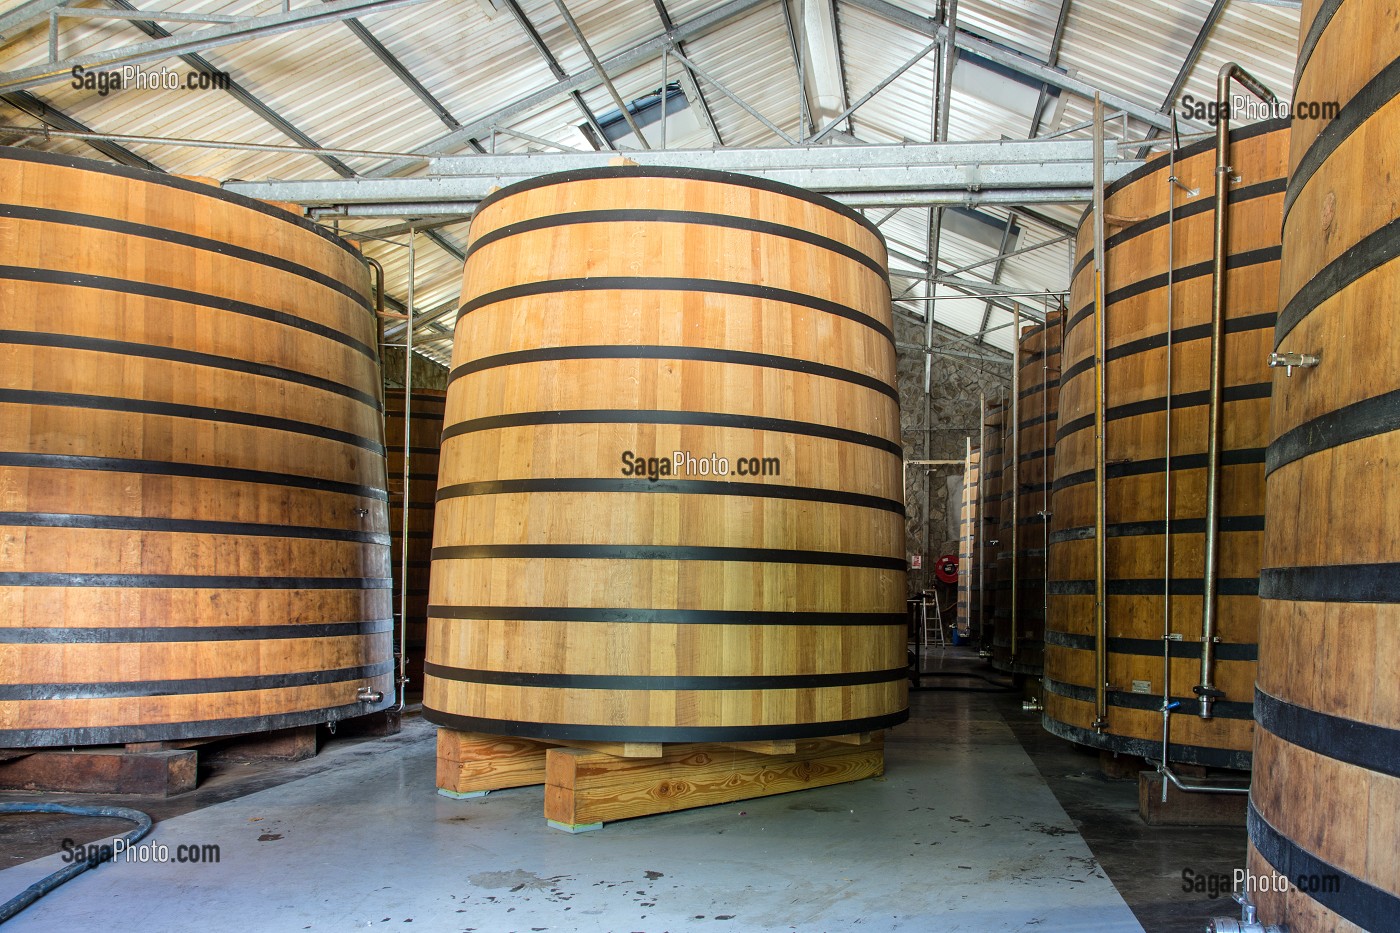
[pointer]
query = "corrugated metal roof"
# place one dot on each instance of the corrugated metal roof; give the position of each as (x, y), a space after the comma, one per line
(475, 58)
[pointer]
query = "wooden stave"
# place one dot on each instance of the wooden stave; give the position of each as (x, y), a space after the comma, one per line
(1132, 423)
(213, 353)
(968, 617)
(1328, 726)
(426, 414)
(871, 346)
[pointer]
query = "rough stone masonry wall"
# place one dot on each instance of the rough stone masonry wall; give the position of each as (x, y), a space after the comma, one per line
(426, 373)
(951, 411)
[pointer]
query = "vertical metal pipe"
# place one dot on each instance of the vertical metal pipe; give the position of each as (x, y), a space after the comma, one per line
(1167, 464)
(1100, 446)
(1015, 464)
(665, 93)
(407, 464)
(1206, 691)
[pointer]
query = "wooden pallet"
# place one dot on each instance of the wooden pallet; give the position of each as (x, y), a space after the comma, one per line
(590, 783)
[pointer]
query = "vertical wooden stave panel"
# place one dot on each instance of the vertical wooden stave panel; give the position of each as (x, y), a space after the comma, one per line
(173, 358)
(989, 525)
(571, 372)
(1137, 257)
(1039, 400)
(425, 413)
(968, 619)
(1325, 804)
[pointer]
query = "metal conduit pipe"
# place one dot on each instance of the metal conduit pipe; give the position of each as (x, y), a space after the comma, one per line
(1173, 183)
(1100, 447)
(1206, 691)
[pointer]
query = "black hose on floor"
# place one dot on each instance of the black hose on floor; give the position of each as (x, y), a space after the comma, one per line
(39, 888)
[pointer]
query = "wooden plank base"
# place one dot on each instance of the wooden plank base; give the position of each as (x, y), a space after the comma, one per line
(103, 771)
(589, 783)
(1184, 808)
(469, 762)
(584, 789)
(296, 744)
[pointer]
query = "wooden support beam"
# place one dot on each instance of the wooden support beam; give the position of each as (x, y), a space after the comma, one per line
(768, 747)
(584, 789)
(470, 764)
(103, 771)
(1184, 808)
(619, 749)
(297, 744)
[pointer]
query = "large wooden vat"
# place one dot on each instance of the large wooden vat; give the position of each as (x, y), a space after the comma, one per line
(1135, 426)
(425, 428)
(1000, 545)
(193, 520)
(627, 313)
(1325, 804)
(968, 620)
(1037, 409)
(989, 522)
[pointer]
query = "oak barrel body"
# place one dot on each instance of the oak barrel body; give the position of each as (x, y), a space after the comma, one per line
(193, 519)
(1137, 399)
(1038, 400)
(425, 420)
(968, 622)
(1001, 544)
(611, 319)
(989, 523)
(1325, 803)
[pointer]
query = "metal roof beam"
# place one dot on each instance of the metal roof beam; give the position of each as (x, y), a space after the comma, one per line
(943, 173)
(1188, 64)
(57, 119)
(401, 72)
(579, 81)
(1052, 59)
(16, 21)
(1016, 61)
(804, 116)
(999, 263)
(692, 87)
(199, 40)
(555, 68)
(245, 97)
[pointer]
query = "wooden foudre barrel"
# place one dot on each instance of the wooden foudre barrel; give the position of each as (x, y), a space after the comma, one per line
(589, 581)
(1325, 805)
(968, 621)
(989, 522)
(1037, 412)
(193, 522)
(999, 547)
(425, 415)
(1135, 427)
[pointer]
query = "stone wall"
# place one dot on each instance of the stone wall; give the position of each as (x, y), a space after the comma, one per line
(936, 427)
(426, 373)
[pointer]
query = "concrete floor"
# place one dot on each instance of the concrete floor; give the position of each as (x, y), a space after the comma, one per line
(967, 831)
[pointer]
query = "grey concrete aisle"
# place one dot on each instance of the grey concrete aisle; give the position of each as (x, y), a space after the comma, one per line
(963, 833)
